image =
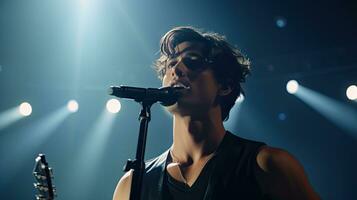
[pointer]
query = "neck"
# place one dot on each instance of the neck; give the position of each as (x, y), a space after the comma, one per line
(196, 139)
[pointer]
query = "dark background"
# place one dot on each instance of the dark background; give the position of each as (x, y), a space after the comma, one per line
(54, 51)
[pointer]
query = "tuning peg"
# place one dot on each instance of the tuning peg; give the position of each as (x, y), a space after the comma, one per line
(38, 176)
(41, 187)
(55, 193)
(41, 197)
(51, 172)
(54, 189)
(38, 185)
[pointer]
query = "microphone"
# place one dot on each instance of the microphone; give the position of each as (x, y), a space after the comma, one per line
(164, 95)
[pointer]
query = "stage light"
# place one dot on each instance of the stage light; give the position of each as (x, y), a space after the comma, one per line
(72, 106)
(282, 116)
(292, 86)
(25, 109)
(351, 92)
(113, 106)
(280, 22)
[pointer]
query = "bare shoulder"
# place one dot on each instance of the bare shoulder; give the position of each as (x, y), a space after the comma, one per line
(272, 159)
(122, 190)
(282, 176)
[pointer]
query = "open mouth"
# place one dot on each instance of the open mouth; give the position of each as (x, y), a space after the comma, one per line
(179, 84)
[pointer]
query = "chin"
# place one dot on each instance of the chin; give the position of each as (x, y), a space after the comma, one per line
(186, 107)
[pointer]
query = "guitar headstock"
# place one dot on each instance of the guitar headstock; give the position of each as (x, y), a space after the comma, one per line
(43, 175)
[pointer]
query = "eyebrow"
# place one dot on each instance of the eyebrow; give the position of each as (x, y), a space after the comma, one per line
(191, 48)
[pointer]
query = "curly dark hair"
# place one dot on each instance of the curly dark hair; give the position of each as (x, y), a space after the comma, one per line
(229, 65)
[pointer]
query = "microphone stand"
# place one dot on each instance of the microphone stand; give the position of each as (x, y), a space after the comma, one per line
(146, 97)
(138, 165)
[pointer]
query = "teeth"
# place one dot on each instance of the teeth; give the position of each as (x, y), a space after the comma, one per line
(180, 85)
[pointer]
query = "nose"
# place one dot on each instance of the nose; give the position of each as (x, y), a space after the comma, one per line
(178, 69)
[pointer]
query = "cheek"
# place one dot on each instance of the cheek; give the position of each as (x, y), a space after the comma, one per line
(207, 86)
(207, 90)
(165, 80)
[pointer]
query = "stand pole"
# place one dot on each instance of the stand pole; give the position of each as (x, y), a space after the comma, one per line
(138, 165)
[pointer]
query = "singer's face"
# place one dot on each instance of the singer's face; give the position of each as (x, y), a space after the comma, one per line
(188, 68)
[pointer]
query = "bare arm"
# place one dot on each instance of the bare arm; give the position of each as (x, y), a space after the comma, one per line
(122, 191)
(282, 176)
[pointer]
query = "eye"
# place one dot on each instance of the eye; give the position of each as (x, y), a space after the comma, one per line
(194, 62)
(172, 63)
(193, 57)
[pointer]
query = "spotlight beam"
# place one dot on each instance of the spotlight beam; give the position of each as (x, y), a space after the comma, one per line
(28, 139)
(91, 153)
(8, 117)
(340, 114)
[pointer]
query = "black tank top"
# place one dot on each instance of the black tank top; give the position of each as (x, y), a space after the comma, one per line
(229, 174)
(178, 190)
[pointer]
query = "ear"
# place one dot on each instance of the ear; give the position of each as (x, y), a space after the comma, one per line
(224, 89)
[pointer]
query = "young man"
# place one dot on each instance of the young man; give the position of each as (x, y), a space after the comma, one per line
(205, 161)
